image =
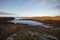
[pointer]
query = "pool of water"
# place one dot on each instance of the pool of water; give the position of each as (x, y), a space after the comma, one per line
(30, 22)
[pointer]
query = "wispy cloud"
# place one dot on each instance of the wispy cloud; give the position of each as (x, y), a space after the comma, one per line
(31, 1)
(43, 3)
(2, 13)
(37, 3)
(55, 5)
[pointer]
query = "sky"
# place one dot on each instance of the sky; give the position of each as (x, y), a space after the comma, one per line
(30, 7)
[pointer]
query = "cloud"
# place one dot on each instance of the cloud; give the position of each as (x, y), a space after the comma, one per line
(36, 3)
(30, 2)
(43, 3)
(3, 13)
(55, 5)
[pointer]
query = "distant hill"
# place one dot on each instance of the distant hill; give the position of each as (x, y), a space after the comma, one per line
(46, 18)
(6, 19)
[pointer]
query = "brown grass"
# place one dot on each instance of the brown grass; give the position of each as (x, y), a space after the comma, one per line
(9, 29)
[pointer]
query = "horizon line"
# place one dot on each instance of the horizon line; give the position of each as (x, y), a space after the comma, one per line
(25, 16)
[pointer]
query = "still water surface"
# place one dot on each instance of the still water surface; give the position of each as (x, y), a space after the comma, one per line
(30, 22)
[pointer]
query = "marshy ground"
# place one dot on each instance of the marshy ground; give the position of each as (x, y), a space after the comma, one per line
(7, 29)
